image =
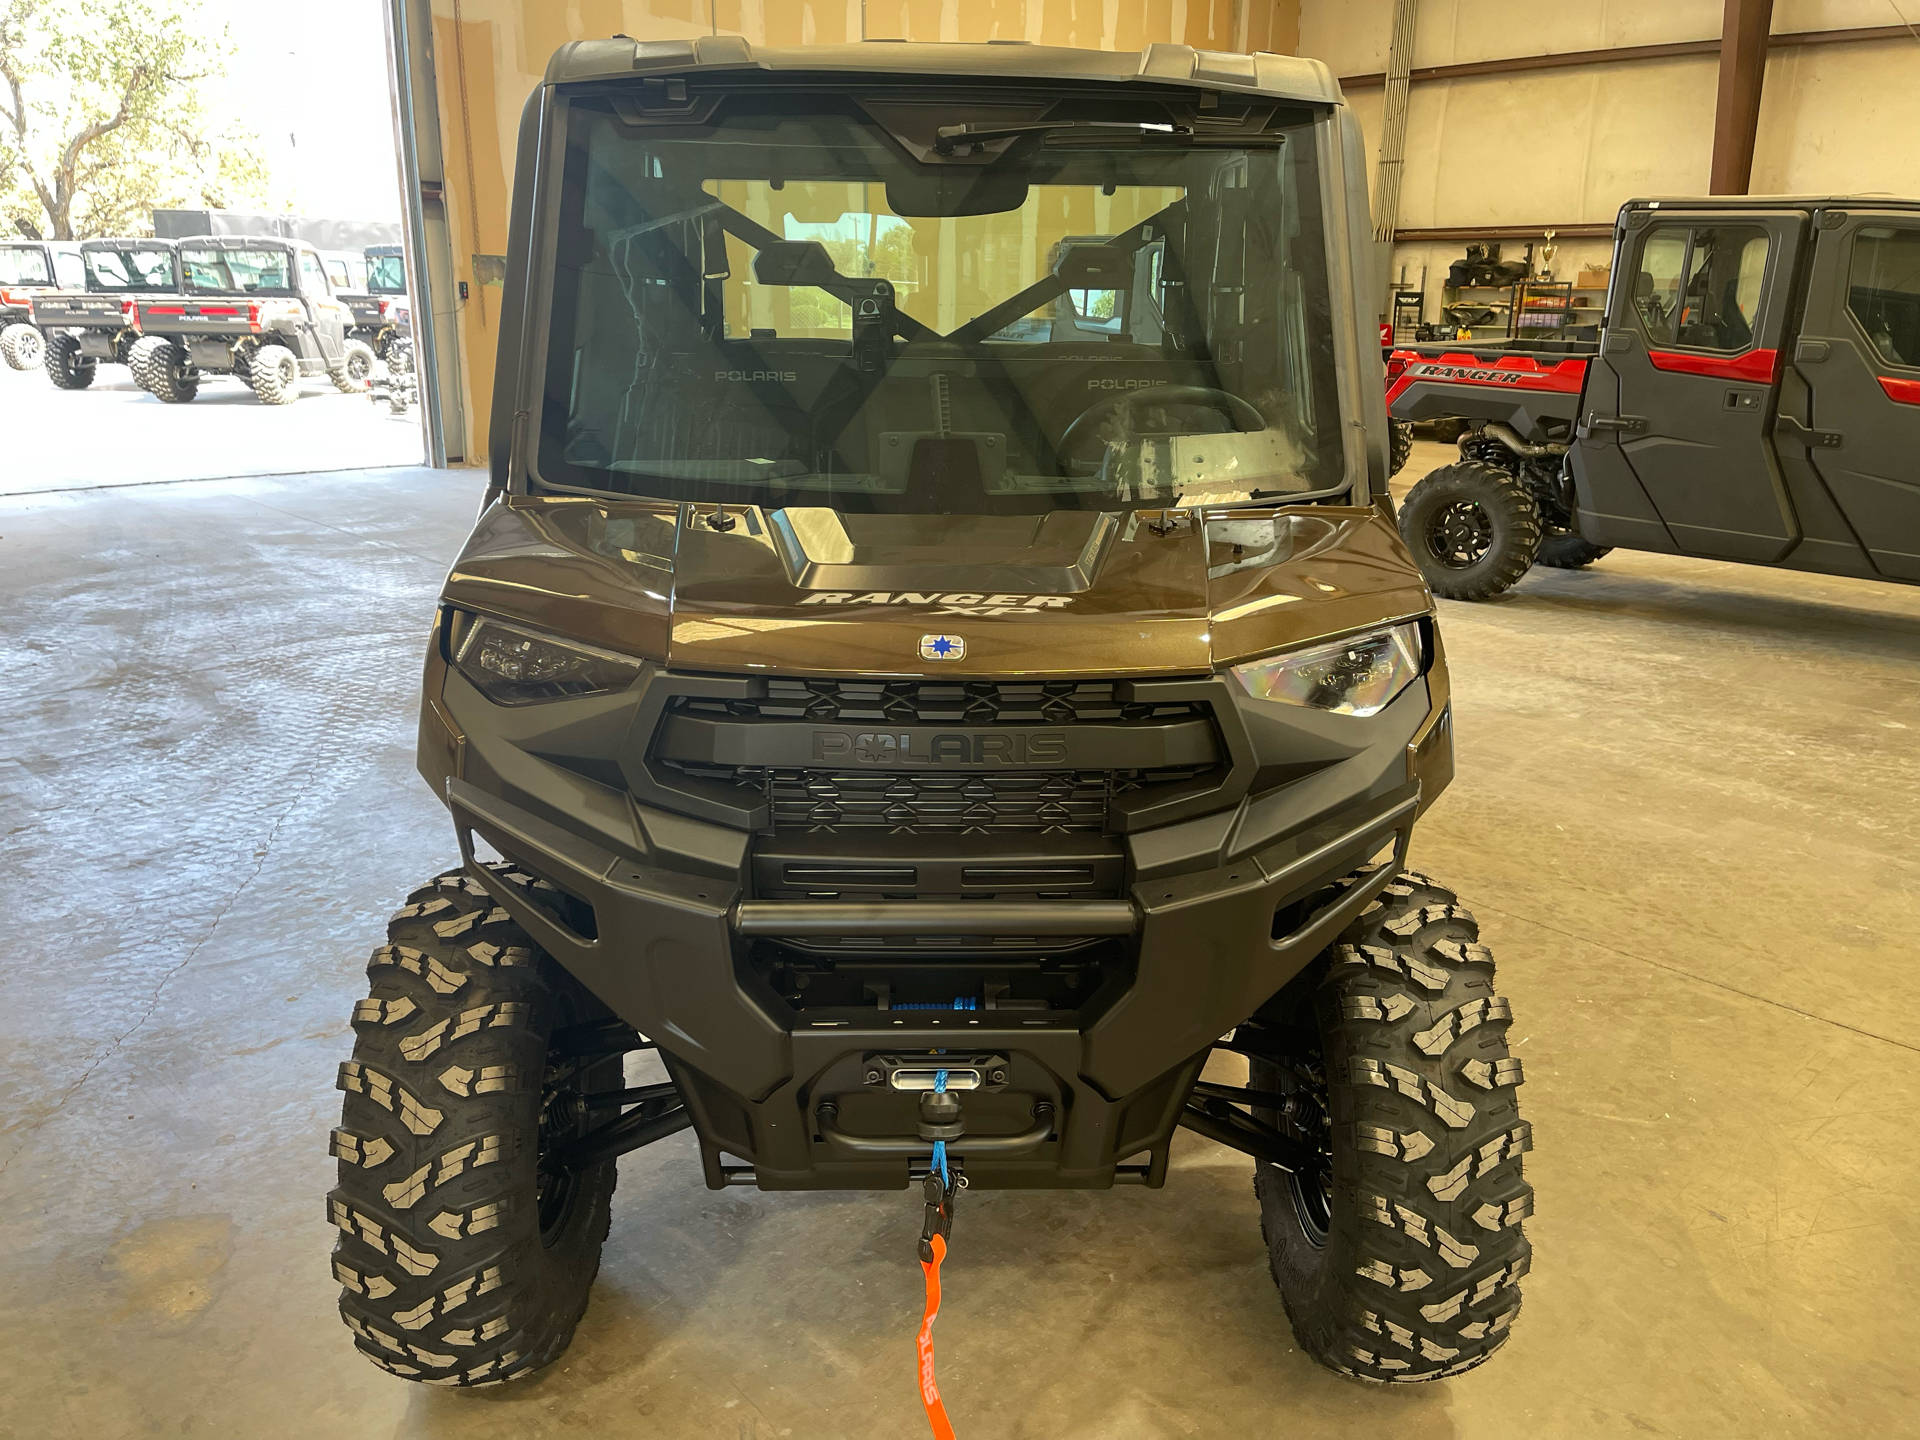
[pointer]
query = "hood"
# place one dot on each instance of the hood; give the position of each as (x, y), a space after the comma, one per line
(816, 591)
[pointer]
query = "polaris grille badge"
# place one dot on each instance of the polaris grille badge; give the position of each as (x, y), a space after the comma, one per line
(942, 647)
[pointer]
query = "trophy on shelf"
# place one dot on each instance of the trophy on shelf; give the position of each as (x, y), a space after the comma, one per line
(1546, 254)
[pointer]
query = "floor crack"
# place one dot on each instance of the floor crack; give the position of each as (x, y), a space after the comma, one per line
(1700, 979)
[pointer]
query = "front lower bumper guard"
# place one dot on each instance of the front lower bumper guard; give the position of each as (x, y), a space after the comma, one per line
(1031, 1138)
(663, 959)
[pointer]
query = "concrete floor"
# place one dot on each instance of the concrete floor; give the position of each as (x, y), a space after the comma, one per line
(113, 433)
(1685, 815)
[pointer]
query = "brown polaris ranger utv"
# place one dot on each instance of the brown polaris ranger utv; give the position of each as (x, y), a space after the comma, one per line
(935, 684)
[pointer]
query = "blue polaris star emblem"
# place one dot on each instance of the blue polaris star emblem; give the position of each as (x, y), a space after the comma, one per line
(942, 647)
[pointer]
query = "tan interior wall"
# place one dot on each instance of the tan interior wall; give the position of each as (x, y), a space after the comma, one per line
(490, 55)
(1844, 120)
(1568, 146)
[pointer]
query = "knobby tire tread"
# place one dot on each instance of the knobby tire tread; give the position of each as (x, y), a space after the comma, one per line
(1509, 506)
(1419, 1275)
(1569, 552)
(66, 367)
(1400, 445)
(446, 1276)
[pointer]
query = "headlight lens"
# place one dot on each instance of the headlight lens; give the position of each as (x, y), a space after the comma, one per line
(511, 666)
(1358, 676)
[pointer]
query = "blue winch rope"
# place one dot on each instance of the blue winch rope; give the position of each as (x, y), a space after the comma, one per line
(940, 1146)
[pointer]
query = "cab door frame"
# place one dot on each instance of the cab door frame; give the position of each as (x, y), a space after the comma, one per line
(1677, 449)
(1862, 432)
(328, 320)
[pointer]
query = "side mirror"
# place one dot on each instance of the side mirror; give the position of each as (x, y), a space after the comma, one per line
(794, 262)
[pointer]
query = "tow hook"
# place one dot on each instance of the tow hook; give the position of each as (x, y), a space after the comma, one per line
(940, 1117)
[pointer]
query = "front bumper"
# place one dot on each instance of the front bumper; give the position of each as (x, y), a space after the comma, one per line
(781, 1094)
(663, 959)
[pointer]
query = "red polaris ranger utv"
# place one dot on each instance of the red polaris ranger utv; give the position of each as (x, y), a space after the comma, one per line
(1754, 396)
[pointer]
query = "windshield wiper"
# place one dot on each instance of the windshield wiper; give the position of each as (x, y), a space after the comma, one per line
(947, 137)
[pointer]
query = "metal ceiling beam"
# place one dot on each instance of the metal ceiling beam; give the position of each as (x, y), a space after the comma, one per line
(1736, 111)
(1573, 230)
(1619, 54)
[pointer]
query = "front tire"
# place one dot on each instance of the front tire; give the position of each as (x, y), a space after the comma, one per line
(275, 372)
(1405, 1267)
(1473, 529)
(462, 1264)
(66, 366)
(356, 368)
(23, 347)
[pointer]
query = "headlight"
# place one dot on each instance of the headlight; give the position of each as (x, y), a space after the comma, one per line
(1359, 676)
(512, 666)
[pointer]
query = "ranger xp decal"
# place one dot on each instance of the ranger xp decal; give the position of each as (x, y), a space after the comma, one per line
(961, 603)
(1478, 374)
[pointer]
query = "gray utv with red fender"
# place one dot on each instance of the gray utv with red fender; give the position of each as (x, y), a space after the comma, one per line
(259, 309)
(1754, 396)
(935, 666)
(100, 322)
(30, 268)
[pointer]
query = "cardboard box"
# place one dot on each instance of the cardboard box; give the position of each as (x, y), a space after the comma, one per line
(1593, 279)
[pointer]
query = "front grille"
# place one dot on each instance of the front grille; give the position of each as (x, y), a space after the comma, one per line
(931, 702)
(920, 803)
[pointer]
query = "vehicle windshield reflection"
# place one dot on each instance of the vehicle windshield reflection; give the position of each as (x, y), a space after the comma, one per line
(758, 312)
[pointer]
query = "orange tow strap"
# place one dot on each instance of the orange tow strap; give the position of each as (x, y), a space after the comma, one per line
(929, 1391)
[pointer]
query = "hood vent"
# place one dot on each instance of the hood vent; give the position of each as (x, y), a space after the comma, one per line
(1058, 553)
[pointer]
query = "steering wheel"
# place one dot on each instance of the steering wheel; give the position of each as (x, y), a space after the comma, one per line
(1088, 421)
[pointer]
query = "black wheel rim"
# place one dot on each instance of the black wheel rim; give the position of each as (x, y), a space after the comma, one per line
(1308, 1119)
(1459, 534)
(562, 1118)
(1305, 1117)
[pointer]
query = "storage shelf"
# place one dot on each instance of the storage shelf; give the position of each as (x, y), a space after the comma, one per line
(1529, 308)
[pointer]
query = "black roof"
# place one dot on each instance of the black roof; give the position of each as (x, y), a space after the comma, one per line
(240, 242)
(1773, 202)
(1285, 76)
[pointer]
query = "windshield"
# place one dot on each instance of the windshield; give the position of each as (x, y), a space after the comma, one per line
(24, 265)
(796, 304)
(386, 275)
(133, 268)
(237, 272)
